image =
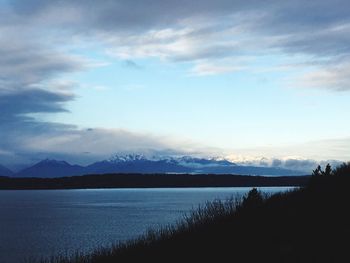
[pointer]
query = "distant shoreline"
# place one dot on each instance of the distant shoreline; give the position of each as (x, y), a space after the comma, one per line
(122, 181)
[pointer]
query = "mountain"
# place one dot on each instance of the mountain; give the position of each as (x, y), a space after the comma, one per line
(138, 163)
(5, 171)
(51, 168)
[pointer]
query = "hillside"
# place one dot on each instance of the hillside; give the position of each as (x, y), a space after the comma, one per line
(5, 171)
(310, 224)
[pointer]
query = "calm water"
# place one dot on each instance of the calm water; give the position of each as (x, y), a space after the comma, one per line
(40, 223)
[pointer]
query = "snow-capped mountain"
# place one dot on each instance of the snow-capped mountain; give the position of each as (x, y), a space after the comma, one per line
(138, 163)
(180, 160)
(126, 158)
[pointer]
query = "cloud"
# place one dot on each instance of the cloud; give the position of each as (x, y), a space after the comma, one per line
(96, 141)
(205, 68)
(213, 37)
(131, 64)
(17, 103)
(291, 163)
(33, 81)
(326, 149)
(307, 165)
(333, 77)
(30, 75)
(183, 31)
(314, 27)
(25, 62)
(33, 141)
(30, 84)
(302, 156)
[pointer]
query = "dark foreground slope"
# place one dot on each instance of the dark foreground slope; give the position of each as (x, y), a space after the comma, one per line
(311, 224)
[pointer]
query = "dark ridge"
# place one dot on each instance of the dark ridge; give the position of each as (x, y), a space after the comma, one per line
(149, 181)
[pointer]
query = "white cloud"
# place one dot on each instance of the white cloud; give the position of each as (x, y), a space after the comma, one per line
(288, 162)
(332, 77)
(316, 151)
(207, 68)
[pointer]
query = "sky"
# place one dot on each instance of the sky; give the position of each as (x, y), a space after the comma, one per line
(252, 81)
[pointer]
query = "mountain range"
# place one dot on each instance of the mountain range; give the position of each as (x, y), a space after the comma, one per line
(137, 163)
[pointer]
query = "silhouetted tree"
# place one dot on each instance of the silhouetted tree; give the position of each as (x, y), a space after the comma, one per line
(253, 199)
(317, 171)
(328, 170)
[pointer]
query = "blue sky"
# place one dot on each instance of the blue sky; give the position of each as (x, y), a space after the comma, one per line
(234, 109)
(244, 80)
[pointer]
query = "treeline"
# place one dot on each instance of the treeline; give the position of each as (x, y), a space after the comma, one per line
(149, 181)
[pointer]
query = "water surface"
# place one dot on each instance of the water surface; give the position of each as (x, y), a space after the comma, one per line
(41, 223)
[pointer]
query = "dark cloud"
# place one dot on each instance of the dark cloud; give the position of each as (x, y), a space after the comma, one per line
(306, 26)
(131, 64)
(25, 63)
(276, 163)
(119, 15)
(187, 31)
(18, 103)
(300, 164)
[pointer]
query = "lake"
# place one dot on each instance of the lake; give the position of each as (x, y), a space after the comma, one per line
(41, 223)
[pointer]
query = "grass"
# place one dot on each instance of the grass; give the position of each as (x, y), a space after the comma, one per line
(309, 224)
